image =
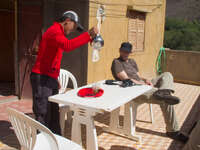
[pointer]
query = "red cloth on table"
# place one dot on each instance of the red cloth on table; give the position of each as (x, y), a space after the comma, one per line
(89, 92)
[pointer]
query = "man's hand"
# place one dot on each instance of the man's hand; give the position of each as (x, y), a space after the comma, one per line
(137, 82)
(93, 32)
(59, 86)
(148, 82)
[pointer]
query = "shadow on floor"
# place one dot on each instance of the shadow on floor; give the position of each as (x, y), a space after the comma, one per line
(105, 119)
(175, 146)
(68, 129)
(188, 124)
(192, 117)
(7, 88)
(117, 147)
(7, 135)
(5, 129)
(149, 131)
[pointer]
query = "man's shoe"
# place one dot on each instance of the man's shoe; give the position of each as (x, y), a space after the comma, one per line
(166, 96)
(178, 136)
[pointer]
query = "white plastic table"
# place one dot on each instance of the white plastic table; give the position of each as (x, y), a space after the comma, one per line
(85, 109)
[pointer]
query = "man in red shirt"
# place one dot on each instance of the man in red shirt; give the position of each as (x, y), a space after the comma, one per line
(47, 66)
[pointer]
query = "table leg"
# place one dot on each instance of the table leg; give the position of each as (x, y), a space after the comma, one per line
(128, 129)
(76, 130)
(84, 116)
(92, 143)
(130, 114)
(114, 121)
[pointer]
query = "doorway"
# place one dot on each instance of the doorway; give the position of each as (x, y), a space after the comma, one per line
(7, 27)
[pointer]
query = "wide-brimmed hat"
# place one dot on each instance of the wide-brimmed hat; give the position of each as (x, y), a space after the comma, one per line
(126, 46)
(74, 17)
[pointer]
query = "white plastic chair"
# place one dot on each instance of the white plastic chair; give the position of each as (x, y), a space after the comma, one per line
(63, 79)
(26, 130)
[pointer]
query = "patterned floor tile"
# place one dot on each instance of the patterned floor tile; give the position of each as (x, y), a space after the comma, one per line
(153, 134)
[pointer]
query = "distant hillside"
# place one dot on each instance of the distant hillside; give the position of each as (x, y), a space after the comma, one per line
(186, 9)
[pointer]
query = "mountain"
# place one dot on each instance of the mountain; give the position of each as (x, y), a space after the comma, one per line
(185, 9)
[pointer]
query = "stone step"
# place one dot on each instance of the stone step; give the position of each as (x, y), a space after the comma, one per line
(5, 99)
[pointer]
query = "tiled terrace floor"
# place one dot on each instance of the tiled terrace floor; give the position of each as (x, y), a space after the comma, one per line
(153, 135)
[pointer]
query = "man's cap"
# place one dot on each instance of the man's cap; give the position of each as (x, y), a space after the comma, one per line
(74, 17)
(126, 46)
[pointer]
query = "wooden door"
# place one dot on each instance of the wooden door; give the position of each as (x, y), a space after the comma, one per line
(6, 40)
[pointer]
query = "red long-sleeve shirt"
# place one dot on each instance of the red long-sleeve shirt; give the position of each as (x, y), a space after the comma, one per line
(51, 48)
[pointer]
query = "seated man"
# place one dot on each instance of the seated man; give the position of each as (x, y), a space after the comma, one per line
(124, 68)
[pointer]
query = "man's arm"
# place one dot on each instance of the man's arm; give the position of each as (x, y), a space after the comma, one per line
(123, 76)
(146, 81)
(69, 45)
(84, 38)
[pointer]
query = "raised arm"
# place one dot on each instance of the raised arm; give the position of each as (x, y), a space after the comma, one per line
(123, 75)
(69, 45)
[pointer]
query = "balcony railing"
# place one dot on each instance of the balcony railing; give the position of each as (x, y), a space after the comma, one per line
(184, 65)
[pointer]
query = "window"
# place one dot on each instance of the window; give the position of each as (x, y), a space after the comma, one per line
(136, 29)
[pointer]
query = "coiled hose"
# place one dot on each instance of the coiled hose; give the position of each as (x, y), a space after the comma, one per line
(161, 61)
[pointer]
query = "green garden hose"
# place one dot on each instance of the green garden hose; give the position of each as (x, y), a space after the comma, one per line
(159, 66)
